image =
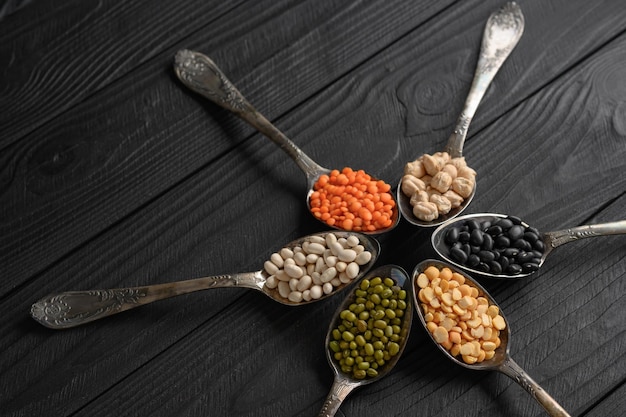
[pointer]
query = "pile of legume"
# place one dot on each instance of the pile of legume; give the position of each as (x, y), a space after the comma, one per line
(370, 332)
(458, 316)
(498, 245)
(352, 200)
(315, 268)
(437, 184)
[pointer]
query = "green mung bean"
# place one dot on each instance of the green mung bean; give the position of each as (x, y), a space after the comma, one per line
(369, 332)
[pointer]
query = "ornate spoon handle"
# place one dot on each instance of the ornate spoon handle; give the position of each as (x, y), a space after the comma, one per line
(200, 74)
(510, 368)
(73, 308)
(338, 392)
(561, 237)
(502, 32)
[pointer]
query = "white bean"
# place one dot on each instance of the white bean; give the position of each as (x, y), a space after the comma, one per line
(363, 258)
(344, 278)
(327, 288)
(346, 255)
(330, 238)
(329, 274)
(316, 277)
(304, 283)
(319, 265)
(353, 241)
(331, 261)
(341, 266)
(283, 289)
(295, 296)
(335, 248)
(286, 253)
(300, 258)
(336, 282)
(271, 282)
(282, 276)
(293, 284)
(270, 267)
(316, 248)
(277, 260)
(318, 239)
(293, 270)
(306, 295)
(352, 271)
(316, 291)
(312, 258)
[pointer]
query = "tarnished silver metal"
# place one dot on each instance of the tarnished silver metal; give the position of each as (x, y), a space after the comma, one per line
(73, 308)
(201, 75)
(552, 240)
(502, 360)
(343, 384)
(502, 32)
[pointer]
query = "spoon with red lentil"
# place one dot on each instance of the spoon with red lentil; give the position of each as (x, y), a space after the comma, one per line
(343, 199)
(468, 326)
(368, 332)
(438, 187)
(308, 269)
(501, 246)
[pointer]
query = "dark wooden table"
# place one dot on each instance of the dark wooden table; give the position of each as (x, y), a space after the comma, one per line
(113, 174)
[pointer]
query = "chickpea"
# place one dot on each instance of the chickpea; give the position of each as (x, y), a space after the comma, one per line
(415, 168)
(441, 181)
(411, 184)
(425, 210)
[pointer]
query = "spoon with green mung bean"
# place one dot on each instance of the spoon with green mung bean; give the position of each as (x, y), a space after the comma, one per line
(368, 332)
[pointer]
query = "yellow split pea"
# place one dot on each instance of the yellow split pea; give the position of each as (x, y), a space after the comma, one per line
(458, 316)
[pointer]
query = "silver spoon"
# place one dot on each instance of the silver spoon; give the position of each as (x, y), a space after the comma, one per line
(502, 360)
(73, 308)
(502, 31)
(551, 240)
(344, 384)
(200, 74)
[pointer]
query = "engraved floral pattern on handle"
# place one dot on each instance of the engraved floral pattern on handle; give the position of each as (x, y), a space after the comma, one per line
(57, 312)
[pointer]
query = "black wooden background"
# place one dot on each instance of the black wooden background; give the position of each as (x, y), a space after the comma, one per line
(112, 174)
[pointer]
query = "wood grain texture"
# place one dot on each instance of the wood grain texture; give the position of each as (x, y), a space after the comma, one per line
(141, 182)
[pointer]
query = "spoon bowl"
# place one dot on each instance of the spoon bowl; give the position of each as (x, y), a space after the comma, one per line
(201, 75)
(548, 241)
(502, 32)
(343, 383)
(73, 308)
(501, 360)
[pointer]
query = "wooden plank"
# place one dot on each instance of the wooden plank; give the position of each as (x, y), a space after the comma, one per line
(148, 111)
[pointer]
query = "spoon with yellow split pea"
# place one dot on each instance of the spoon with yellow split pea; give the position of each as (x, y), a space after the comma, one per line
(73, 308)
(484, 344)
(200, 74)
(368, 332)
(502, 32)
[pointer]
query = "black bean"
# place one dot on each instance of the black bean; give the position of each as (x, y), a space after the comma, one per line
(473, 260)
(523, 257)
(486, 256)
(535, 261)
(504, 262)
(537, 254)
(452, 236)
(529, 267)
(476, 237)
(515, 219)
(510, 252)
(530, 237)
(473, 224)
(534, 230)
(464, 236)
(514, 269)
(487, 242)
(502, 242)
(516, 232)
(483, 267)
(474, 249)
(494, 230)
(458, 255)
(486, 224)
(495, 267)
(539, 245)
(521, 244)
(505, 224)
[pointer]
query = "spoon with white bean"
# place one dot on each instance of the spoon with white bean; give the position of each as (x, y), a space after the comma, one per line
(303, 271)
(368, 332)
(436, 188)
(439, 290)
(501, 246)
(200, 74)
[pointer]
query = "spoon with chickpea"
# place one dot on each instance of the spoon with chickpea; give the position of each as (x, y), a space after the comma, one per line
(468, 326)
(368, 332)
(343, 199)
(308, 269)
(436, 188)
(501, 246)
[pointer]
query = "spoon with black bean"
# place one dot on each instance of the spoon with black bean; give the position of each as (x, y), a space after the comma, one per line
(501, 246)
(357, 251)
